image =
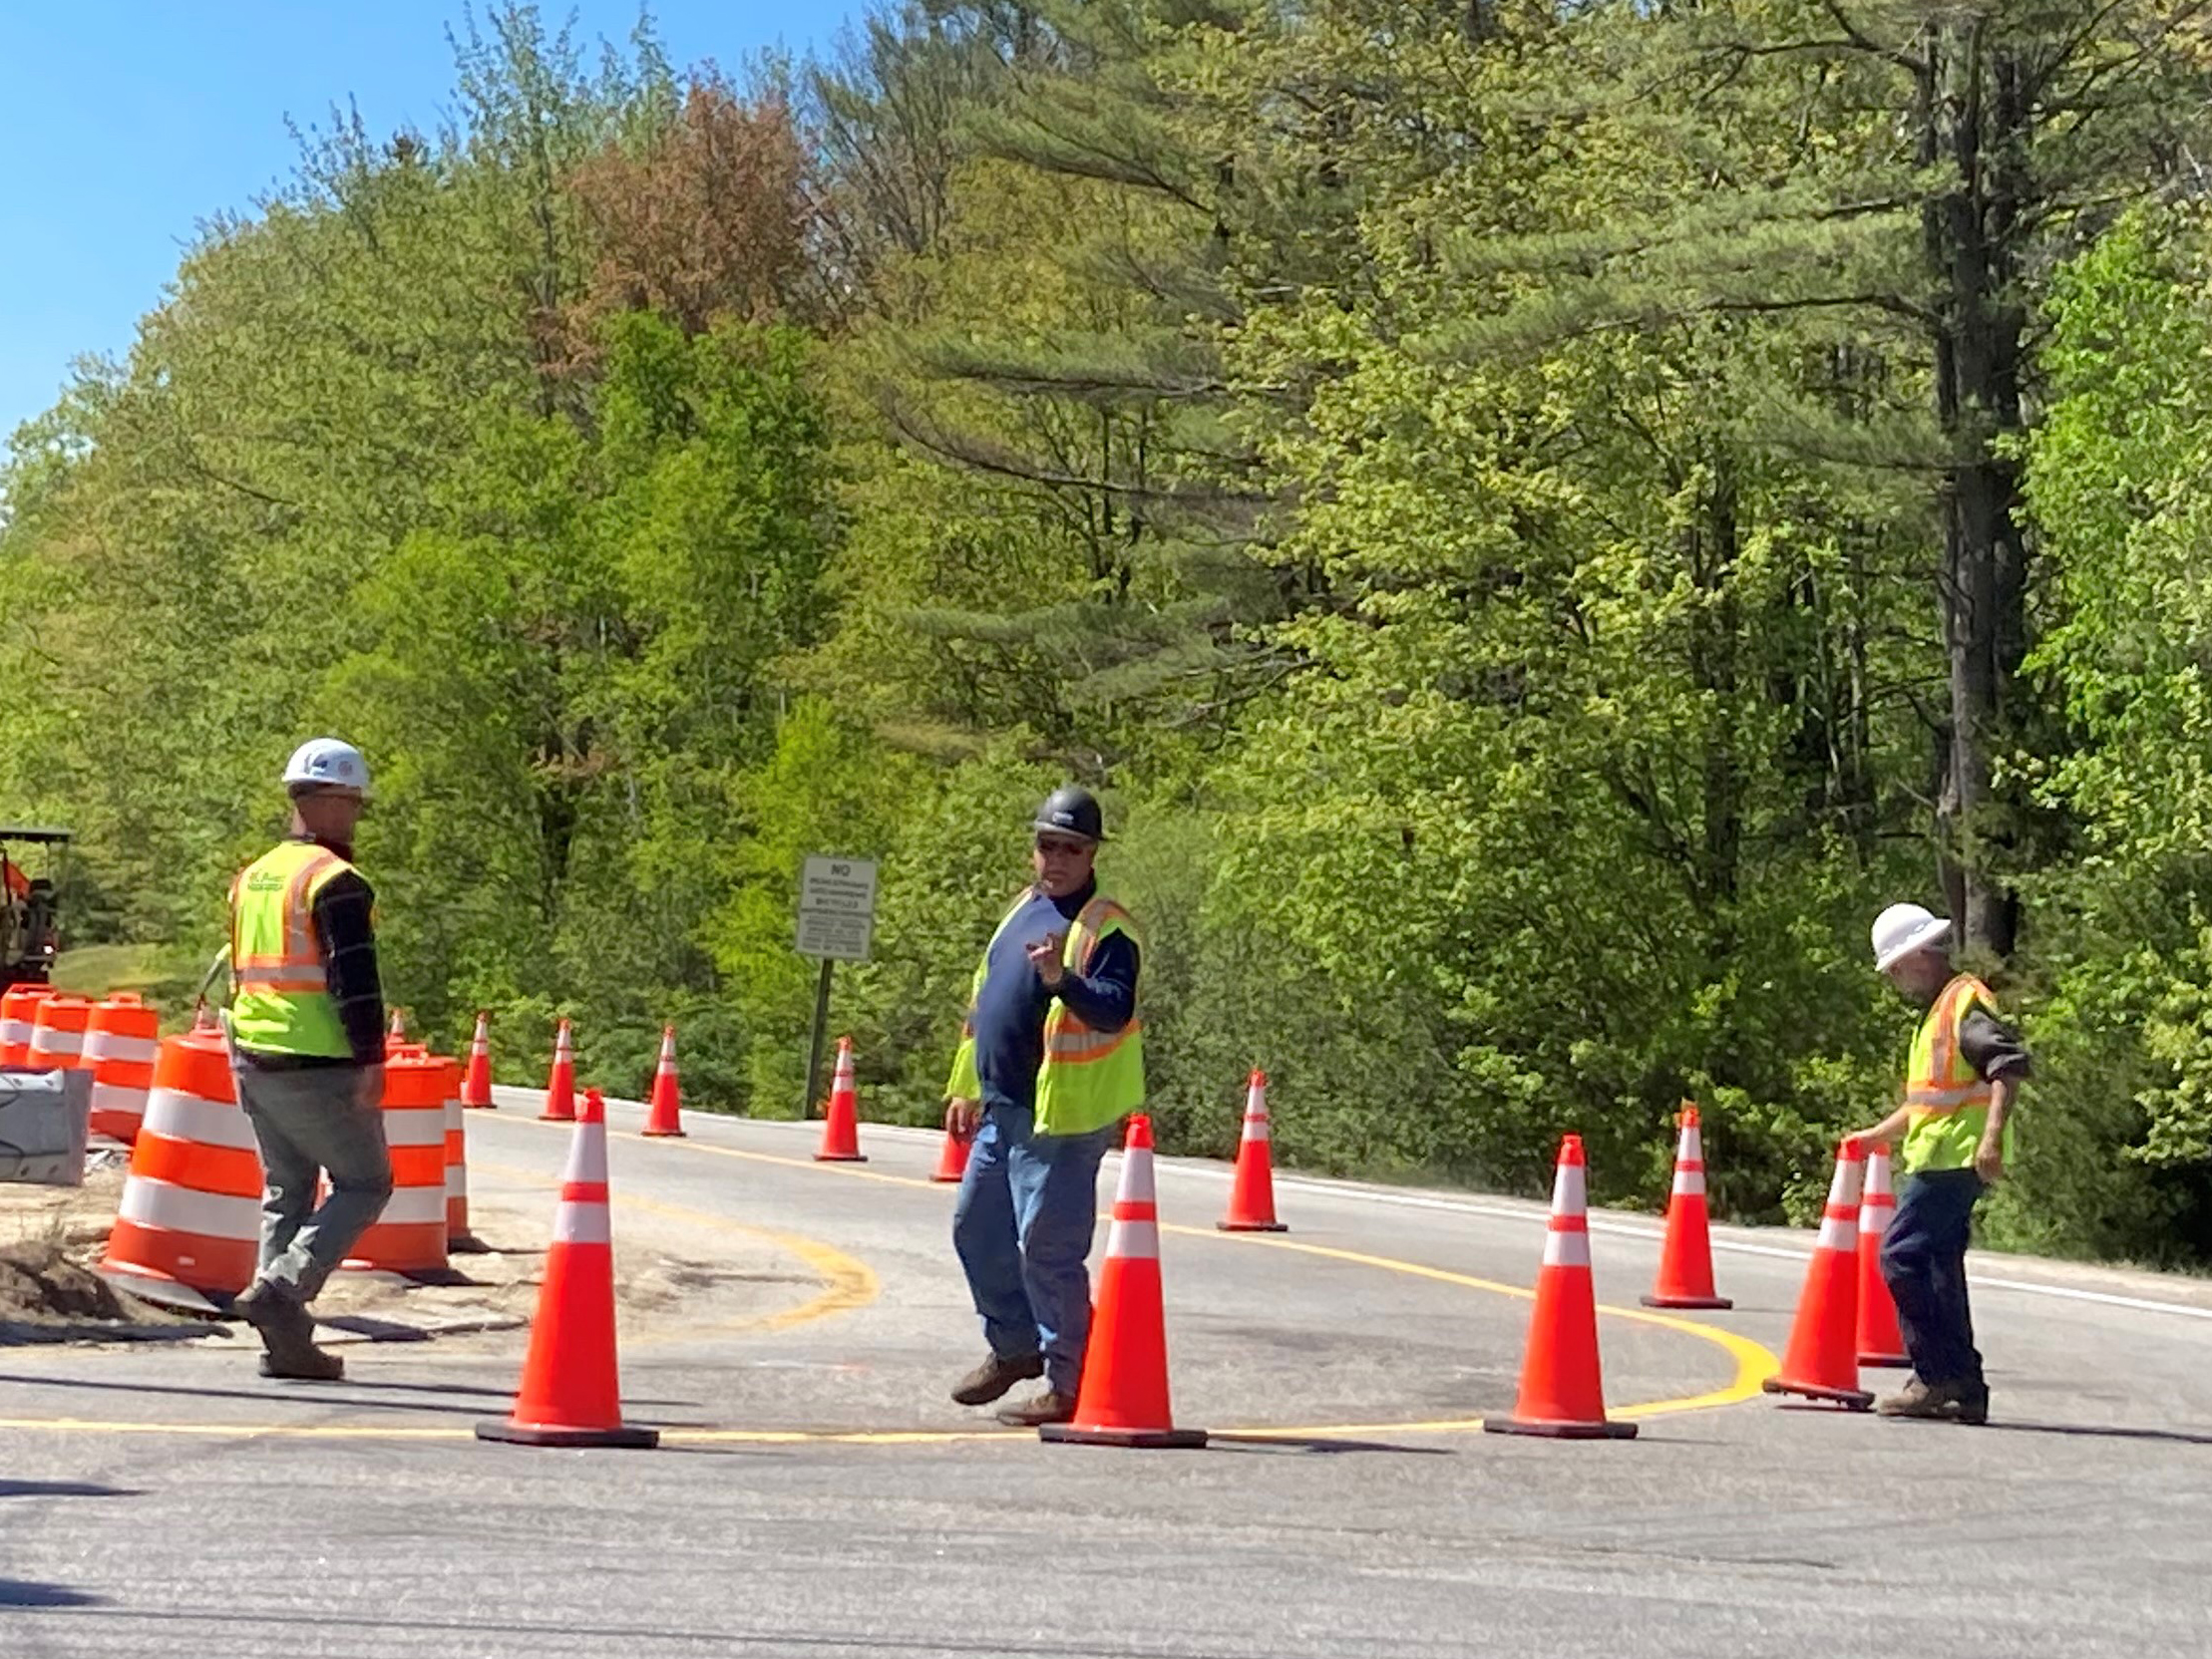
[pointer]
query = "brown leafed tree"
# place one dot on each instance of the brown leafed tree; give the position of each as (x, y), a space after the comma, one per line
(700, 220)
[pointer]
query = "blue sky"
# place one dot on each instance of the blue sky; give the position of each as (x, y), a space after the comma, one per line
(123, 123)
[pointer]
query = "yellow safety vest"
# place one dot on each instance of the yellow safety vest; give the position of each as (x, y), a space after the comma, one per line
(1948, 1100)
(1089, 1078)
(282, 1003)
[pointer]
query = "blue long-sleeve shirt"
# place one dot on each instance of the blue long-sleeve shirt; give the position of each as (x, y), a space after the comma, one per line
(1011, 1007)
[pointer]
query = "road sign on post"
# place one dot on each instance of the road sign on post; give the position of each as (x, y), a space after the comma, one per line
(837, 917)
(837, 908)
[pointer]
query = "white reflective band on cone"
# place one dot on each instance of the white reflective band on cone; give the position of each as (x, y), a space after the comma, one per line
(156, 1203)
(1690, 1183)
(414, 1206)
(110, 1045)
(588, 1158)
(415, 1126)
(117, 1097)
(177, 1116)
(1838, 1235)
(581, 1224)
(1136, 1178)
(1566, 1248)
(1570, 1189)
(1256, 1129)
(1134, 1240)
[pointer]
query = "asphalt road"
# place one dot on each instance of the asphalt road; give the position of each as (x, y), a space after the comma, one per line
(818, 1494)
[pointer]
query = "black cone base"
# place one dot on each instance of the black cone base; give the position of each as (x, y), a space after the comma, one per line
(525, 1434)
(1856, 1398)
(1067, 1434)
(1540, 1430)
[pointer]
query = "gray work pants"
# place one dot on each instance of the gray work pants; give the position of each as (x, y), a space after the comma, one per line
(309, 1121)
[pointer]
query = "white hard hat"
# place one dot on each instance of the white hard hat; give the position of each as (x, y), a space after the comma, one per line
(1904, 928)
(328, 761)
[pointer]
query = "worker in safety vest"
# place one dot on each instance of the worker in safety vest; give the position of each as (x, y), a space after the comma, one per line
(308, 1025)
(1049, 1063)
(1966, 1070)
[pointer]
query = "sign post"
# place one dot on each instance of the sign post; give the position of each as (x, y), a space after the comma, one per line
(837, 920)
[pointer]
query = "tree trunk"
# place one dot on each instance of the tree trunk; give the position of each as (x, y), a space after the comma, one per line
(1978, 123)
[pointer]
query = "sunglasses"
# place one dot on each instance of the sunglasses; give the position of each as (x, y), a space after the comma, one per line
(1053, 847)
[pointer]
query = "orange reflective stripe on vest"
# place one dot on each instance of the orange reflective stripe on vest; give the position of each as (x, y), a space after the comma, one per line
(299, 966)
(1946, 1084)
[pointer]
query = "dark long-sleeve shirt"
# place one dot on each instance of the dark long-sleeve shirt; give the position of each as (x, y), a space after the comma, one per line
(1993, 1048)
(345, 929)
(1011, 1007)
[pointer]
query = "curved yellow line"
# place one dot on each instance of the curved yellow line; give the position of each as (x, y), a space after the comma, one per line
(846, 1282)
(849, 1284)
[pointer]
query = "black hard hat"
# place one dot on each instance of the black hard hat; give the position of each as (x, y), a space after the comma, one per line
(1073, 811)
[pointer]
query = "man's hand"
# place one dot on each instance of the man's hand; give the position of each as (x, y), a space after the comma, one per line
(961, 1117)
(1045, 955)
(1988, 1163)
(370, 1092)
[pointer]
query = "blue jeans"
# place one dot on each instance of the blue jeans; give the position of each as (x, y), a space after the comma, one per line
(1924, 1262)
(1022, 1226)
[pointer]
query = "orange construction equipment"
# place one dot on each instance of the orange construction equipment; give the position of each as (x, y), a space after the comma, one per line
(476, 1088)
(410, 1237)
(572, 1394)
(1251, 1200)
(561, 1087)
(841, 1127)
(952, 1157)
(189, 1220)
(121, 1045)
(1685, 1259)
(665, 1111)
(1563, 1394)
(17, 1006)
(456, 1160)
(58, 1026)
(1880, 1341)
(1822, 1362)
(1123, 1400)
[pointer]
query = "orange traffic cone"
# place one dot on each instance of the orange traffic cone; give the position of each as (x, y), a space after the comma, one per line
(664, 1114)
(398, 1033)
(1123, 1400)
(561, 1087)
(1563, 1393)
(476, 1087)
(1880, 1341)
(1823, 1358)
(1685, 1259)
(952, 1157)
(1252, 1198)
(571, 1392)
(840, 1128)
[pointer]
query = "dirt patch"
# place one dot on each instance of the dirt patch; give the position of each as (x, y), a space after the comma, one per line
(669, 1280)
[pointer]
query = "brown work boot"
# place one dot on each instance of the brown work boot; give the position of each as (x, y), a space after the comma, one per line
(306, 1365)
(1049, 1407)
(990, 1380)
(287, 1332)
(1921, 1400)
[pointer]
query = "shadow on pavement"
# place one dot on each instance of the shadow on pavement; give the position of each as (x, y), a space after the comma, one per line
(23, 1592)
(2104, 1431)
(63, 1489)
(1312, 1443)
(346, 1392)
